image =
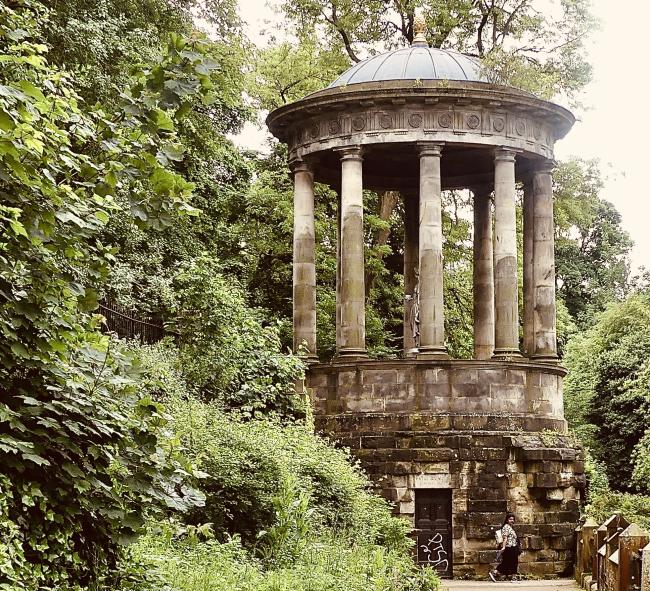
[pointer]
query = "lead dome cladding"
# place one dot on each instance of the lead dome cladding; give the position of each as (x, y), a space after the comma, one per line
(413, 63)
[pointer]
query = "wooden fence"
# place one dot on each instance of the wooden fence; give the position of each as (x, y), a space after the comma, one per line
(127, 326)
(612, 556)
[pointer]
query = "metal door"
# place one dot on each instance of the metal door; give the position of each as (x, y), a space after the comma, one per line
(433, 527)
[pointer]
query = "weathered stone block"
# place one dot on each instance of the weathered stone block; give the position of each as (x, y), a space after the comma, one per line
(433, 455)
(492, 506)
(379, 376)
(533, 543)
(377, 442)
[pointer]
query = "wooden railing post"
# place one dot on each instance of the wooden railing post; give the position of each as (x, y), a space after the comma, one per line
(611, 566)
(612, 529)
(630, 543)
(587, 549)
(645, 569)
(579, 551)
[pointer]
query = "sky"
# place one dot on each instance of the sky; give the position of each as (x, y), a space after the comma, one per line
(614, 127)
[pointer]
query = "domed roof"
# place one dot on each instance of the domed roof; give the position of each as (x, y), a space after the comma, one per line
(413, 63)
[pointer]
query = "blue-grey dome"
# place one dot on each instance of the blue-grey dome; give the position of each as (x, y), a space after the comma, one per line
(413, 63)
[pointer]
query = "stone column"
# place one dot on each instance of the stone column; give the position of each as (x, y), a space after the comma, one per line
(352, 287)
(483, 275)
(304, 259)
(432, 320)
(529, 288)
(545, 340)
(506, 333)
(411, 263)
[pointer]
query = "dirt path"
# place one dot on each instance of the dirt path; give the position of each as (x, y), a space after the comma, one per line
(560, 585)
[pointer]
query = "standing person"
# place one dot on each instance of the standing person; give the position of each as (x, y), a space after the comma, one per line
(510, 549)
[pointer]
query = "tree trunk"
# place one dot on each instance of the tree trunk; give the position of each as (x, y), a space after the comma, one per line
(387, 203)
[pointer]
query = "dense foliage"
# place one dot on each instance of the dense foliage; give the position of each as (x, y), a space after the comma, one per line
(283, 508)
(117, 178)
(85, 457)
(608, 390)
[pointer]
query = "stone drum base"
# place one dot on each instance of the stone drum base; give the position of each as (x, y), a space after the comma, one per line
(539, 477)
(454, 445)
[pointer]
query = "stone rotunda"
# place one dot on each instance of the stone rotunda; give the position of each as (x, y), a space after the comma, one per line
(454, 444)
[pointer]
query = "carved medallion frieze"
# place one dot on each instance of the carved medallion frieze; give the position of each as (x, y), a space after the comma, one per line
(499, 124)
(385, 121)
(445, 119)
(358, 123)
(473, 121)
(520, 127)
(334, 127)
(375, 124)
(415, 120)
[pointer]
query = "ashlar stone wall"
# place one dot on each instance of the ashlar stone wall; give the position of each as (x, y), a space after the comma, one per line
(448, 427)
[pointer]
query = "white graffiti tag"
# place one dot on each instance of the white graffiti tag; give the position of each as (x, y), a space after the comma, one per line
(436, 553)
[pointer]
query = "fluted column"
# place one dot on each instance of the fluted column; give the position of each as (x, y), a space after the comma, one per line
(432, 320)
(411, 241)
(506, 333)
(529, 286)
(352, 287)
(304, 259)
(483, 275)
(545, 338)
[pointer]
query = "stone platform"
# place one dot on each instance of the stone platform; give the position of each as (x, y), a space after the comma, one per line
(491, 434)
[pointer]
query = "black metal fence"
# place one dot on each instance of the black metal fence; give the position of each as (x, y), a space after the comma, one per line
(126, 325)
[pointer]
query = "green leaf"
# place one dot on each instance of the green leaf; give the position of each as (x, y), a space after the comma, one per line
(6, 121)
(36, 459)
(163, 120)
(30, 90)
(19, 350)
(18, 228)
(102, 216)
(72, 469)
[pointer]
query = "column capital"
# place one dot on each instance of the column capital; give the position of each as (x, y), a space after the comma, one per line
(300, 165)
(482, 190)
(546, 166)
(429, 148)
(350, 153)
(506, 154)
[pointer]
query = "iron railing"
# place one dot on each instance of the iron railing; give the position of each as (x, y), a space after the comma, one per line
(127, 325)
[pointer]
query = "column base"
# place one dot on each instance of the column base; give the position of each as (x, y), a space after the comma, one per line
(540, 358)
(431, 352)
(506, 354)
(351, 354)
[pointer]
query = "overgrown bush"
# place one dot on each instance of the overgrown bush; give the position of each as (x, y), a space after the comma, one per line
(325, 564)
(227, 351)
(248, 462)
(83, 457)
(607, 390)
(635, 508)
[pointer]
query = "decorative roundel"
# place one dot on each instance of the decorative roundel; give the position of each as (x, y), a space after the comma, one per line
(537, 132)
(334, 127)
(314, 131)
(445, 119)
(520, 127)
(415, 120)
(358, 123)
(499, 123)
(473, 121)
(385, 121)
